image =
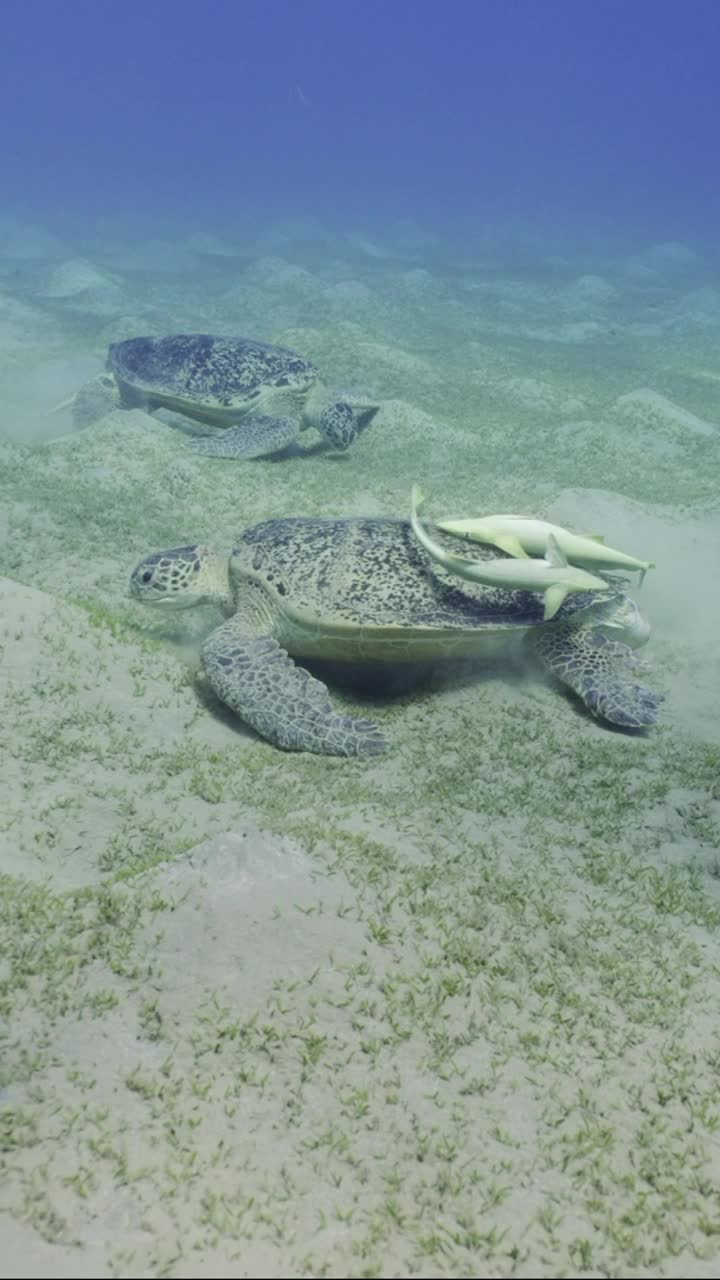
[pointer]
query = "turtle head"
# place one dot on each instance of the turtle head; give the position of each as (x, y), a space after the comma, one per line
(342, 420)
(181, 578)
(338, 424)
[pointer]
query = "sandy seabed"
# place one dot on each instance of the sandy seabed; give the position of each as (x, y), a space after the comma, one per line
(451, 1011)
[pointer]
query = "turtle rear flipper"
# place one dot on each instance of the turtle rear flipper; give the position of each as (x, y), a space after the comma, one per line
(251, 438)
(94, 400)
(280, 700)
(600, 671)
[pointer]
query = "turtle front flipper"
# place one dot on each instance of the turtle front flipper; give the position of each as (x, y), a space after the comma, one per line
(599, 670)
(280, 700)
(251, 438)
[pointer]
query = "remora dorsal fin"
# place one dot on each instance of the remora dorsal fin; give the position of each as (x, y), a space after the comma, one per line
(554, 555)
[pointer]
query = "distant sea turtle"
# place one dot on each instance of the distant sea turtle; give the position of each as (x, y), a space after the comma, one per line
(363, 590)
(262, 395)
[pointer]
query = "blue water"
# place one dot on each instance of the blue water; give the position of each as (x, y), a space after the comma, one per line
(589, 118)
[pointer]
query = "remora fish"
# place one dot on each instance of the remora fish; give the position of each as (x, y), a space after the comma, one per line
(525, 536)
(553, 574)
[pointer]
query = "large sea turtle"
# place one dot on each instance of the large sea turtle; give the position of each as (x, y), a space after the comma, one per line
(262, 396)
(363, 590)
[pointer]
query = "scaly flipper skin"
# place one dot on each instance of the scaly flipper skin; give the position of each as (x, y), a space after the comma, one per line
(280, 700)
(252, 438)
(94, 400)
(600, 671)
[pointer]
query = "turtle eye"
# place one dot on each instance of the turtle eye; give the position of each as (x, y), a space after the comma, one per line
(147, 575)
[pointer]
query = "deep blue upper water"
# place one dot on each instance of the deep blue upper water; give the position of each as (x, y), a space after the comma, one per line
(601, 117)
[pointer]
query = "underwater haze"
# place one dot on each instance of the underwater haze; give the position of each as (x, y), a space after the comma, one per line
(379, 342)
(576, 117)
